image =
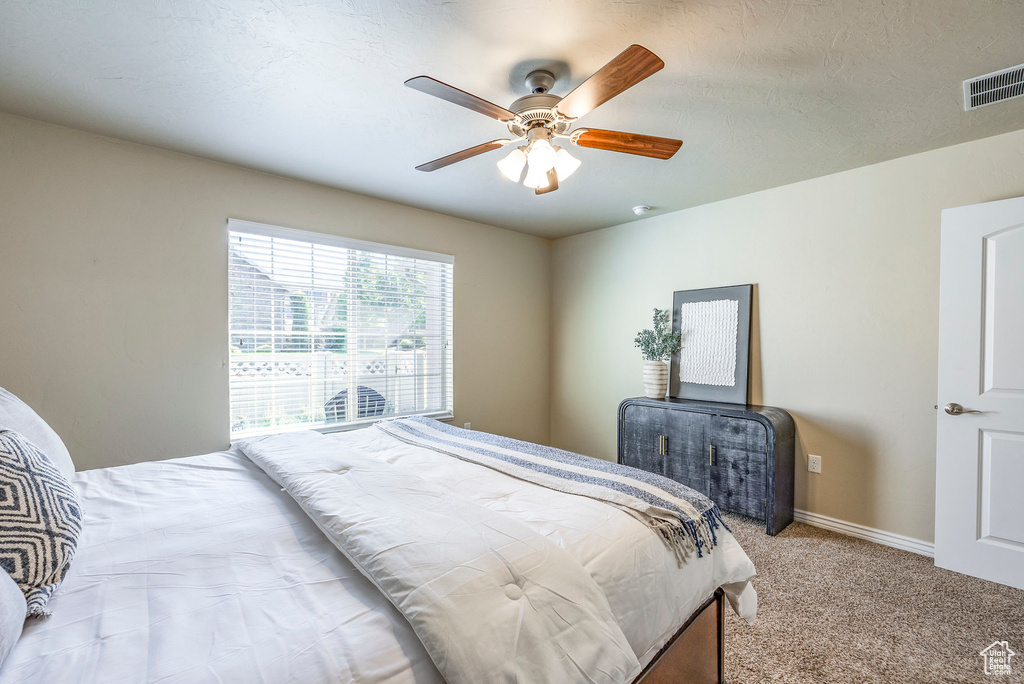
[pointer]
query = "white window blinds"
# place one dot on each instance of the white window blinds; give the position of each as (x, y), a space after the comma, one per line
(326, 331)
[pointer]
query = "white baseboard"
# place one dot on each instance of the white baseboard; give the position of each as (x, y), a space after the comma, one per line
(897, 541)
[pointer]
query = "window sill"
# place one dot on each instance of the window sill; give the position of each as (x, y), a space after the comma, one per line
(445, 416)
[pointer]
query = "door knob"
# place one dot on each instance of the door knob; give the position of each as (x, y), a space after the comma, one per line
(956, 409)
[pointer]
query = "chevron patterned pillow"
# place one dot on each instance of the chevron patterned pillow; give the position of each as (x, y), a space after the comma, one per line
(40, 520)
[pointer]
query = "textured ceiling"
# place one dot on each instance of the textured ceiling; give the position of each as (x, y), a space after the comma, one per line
(763, 93)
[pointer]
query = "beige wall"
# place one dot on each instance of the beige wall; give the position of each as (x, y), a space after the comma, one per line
(113, 292)
(847, 274)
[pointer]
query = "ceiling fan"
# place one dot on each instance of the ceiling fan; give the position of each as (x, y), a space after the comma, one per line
(540, 118)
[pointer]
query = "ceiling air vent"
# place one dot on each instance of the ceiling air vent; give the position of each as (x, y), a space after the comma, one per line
(994, 87)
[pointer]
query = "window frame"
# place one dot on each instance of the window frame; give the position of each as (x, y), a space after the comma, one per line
(448, 366)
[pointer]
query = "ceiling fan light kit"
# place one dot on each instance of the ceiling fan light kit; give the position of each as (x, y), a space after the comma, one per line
(565, 164)
(540, 118)
(540, 153)
(536, 179)
(511, 167)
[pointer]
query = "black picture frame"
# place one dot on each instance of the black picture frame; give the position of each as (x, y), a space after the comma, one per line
(737, 393)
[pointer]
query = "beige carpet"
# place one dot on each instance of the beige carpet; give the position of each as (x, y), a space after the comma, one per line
(837, 609)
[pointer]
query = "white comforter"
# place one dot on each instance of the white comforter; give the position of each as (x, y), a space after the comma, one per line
(202, 570)
(490, 599)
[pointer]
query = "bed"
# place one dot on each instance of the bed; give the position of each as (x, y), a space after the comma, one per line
(205, 569)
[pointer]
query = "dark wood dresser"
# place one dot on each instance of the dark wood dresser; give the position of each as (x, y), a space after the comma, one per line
(742, 457)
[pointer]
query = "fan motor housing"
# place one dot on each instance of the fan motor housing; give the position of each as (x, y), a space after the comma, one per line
(535, 110)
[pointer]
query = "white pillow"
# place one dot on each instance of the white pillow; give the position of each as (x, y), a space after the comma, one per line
(12, 614)
(17, 416)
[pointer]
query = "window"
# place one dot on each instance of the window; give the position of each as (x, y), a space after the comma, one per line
(330, 332)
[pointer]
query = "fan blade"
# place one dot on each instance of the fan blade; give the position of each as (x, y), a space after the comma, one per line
(464, 154)
(630, 143)
(552, 183)
(633, 65)
(432, 86)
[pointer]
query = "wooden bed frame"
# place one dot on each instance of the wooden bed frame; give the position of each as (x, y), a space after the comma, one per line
(696, 654)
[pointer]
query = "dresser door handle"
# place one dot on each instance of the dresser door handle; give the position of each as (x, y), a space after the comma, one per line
(662, 445)
(711, 454)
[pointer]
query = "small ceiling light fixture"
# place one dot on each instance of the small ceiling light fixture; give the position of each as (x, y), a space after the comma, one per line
(641, 209)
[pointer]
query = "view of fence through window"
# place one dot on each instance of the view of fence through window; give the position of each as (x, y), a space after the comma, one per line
(334, 331)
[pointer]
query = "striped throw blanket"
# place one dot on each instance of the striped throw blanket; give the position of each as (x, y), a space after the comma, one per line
(685, 519)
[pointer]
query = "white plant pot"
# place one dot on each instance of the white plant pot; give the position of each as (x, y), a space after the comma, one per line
(655, 379)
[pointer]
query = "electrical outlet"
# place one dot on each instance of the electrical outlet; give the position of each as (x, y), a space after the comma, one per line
(814, 463)
(468, 426)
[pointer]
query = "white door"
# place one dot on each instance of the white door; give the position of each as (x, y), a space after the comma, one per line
(979, 474)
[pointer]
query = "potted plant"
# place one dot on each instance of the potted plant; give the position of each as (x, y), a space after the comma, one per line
(657, 346)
